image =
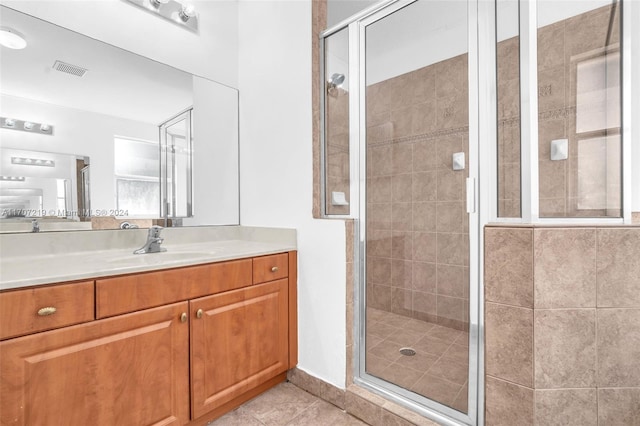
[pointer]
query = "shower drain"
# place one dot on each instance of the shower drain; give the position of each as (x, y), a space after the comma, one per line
(408, 351)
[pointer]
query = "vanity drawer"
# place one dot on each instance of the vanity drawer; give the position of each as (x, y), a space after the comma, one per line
(24, 311)
(269, 268)
(146, 290)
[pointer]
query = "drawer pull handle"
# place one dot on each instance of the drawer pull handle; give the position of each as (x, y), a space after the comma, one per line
(183, 317)
(199, 313)
(274, 269)
(49, 310)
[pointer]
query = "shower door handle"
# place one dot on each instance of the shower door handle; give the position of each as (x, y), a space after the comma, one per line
(471, 195)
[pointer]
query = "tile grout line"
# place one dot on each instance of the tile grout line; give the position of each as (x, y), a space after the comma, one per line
(597, 372)
(533, 321)
(303, 411)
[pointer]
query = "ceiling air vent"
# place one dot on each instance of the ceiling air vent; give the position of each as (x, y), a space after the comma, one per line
(69, 69)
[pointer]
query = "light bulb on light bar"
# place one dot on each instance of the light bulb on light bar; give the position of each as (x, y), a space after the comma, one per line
(26, 126)
(187, 12)
(180, 12)
(158, 3)
(13, 178)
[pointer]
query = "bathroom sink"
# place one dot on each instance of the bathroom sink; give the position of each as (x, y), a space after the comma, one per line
(156, 258)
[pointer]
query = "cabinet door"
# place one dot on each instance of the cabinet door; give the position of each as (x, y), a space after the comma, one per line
(239, 342)
(127, 370)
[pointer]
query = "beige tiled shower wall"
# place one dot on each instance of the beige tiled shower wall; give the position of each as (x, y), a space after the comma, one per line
(417, 259)
(561, 46)
(337, 148)
(562, 324)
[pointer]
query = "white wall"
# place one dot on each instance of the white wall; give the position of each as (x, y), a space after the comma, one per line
(215, 155)
(276, 163)
(213, 53)
(76, 132)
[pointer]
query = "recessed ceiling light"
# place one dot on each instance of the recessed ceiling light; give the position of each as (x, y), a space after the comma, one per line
(12, 39)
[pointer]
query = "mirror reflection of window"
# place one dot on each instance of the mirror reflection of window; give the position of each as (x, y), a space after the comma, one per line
(137, 175)
(62, 186)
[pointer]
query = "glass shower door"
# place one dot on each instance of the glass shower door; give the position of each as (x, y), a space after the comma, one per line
(415, 244)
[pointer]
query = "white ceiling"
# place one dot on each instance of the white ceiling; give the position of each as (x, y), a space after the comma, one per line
(117, 83)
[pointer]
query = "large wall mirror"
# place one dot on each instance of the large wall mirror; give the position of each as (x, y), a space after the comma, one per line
(89, 131)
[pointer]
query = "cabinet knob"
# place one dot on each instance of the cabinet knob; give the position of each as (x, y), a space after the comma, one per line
(274, 269)
(199, 313)
(183, 317)
(49, 310)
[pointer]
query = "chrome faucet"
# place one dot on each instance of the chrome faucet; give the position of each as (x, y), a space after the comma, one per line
(127, 225)
(153, 242)
(35, 226)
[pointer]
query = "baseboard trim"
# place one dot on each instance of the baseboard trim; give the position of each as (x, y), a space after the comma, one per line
(318, 387)
(359, 402)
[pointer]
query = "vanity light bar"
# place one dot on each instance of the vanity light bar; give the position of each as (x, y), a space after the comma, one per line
(26, 126)
(32, 162)
(13, 178)
(181, 12)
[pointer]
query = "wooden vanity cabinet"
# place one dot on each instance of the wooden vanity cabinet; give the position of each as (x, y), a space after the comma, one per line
(131, 369)
(44, 308)
(239, 339)
(220, 337)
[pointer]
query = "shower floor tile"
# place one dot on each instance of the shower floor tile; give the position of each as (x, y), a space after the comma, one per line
(438, 370)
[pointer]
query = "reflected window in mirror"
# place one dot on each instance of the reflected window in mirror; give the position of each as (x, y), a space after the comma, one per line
(62, 186)
(137, 176)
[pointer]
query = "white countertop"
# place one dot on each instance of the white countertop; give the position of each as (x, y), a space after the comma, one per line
(29, 270)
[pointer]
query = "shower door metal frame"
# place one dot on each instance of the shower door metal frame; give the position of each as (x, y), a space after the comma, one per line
(357, 151)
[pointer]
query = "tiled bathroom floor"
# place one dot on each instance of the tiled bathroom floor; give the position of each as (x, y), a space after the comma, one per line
(286, 404)
(438, 370)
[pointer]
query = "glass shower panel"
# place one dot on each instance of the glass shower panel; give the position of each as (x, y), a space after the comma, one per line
(508, 91)
(579, 108)
(336, 122)
(176, 148)
(417, 234)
